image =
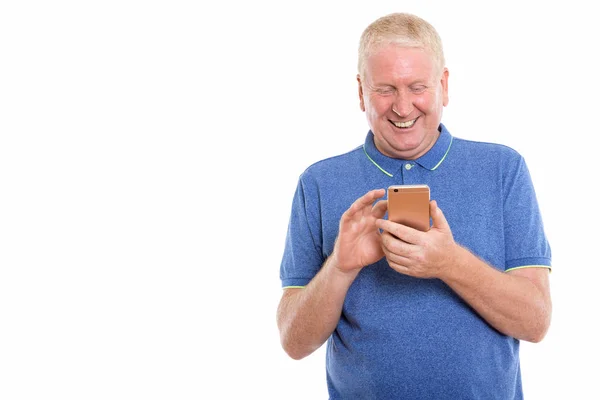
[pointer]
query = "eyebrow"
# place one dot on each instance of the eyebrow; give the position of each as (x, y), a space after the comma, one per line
(413, 83)
(381, 85)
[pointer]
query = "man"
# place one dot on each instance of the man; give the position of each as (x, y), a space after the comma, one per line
(409, 314)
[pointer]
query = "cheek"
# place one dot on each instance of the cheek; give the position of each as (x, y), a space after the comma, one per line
(378, 106)
(428, 103)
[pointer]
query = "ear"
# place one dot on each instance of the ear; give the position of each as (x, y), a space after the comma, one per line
(360, 93)
(445, 86)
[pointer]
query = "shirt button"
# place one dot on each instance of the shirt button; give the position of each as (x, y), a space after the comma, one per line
(408, 167)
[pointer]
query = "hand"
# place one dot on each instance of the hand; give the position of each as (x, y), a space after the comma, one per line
(419, 254)
(359, 242)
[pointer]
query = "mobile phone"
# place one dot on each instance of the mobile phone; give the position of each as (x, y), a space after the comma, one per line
(409, 205)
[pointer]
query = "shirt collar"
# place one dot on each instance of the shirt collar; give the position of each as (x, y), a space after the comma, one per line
(430, 160)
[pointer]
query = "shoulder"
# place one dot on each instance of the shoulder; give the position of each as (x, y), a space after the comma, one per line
(330, 167)
(494, 163)
(486, 156)
(480, 148)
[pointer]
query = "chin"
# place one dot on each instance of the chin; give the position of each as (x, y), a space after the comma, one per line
(406, 144)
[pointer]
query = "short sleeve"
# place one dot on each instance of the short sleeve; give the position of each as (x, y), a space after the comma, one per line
(302, 256)
(525, 240)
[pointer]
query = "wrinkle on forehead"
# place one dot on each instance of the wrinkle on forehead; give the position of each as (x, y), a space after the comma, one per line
(398, 63)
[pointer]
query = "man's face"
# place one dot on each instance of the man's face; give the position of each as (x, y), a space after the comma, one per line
(403, 94)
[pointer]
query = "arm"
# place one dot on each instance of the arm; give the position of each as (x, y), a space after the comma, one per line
(306, 317)
(516, 303)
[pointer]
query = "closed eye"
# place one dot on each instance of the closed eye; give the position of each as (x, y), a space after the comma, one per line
(385, 90)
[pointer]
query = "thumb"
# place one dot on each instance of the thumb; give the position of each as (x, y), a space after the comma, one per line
(437, 217)
(379, 209)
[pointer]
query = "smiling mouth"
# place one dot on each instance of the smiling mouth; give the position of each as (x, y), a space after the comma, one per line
(404, 125)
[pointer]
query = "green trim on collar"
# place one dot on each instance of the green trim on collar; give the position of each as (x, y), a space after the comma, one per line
(445, 154)
(377, 165)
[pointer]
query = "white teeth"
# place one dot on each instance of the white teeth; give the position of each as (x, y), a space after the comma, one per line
(406, 124)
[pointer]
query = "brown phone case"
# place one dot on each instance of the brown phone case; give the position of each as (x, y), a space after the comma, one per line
(409, 205)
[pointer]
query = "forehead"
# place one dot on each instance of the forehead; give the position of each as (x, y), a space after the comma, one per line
(392, 62)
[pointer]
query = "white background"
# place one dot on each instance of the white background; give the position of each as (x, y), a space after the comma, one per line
(148, 156)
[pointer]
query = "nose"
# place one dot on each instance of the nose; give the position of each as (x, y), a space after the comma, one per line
(402, 105)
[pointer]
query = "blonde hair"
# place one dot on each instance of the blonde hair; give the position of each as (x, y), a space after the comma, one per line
(403, 29)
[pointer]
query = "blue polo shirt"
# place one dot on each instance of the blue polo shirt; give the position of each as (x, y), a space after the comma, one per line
(401, 337)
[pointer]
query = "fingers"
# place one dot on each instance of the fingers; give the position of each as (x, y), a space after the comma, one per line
(399, 263)
(393, 245)
(437, 217)
(397, 253)
(409, 234)
(365, 201)
(379, 209)
(403, 232)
